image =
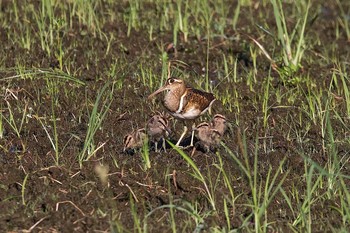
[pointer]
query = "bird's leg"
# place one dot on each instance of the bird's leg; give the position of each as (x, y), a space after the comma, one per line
(182, 136)
(192, 136)
(156, 146)
(193, 150)
(164, 145)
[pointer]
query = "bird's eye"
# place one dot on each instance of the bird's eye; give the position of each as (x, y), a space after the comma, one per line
(171, 81)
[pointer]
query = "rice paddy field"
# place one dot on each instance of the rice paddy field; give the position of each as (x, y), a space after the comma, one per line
(74, 80)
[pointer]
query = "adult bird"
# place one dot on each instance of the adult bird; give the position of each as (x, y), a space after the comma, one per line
(183, 102)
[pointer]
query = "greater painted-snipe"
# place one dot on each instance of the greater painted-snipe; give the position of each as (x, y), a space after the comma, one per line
(184, 102)
(219, 123)
(134, 140)
(210, 134)
(158, 129)
(208, 137)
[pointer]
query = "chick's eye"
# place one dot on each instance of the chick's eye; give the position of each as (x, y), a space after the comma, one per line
(171, 81)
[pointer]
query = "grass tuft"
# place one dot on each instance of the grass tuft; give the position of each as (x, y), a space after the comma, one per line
(101, 107)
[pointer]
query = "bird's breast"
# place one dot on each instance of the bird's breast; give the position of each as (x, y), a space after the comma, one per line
(171, 102)
(188, 113)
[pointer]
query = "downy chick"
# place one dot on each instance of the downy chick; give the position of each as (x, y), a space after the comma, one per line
(158, 129)
(219, 123)
(134, 140)
(208, 137)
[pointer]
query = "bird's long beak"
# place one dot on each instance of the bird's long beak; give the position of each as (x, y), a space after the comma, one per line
(163, 88)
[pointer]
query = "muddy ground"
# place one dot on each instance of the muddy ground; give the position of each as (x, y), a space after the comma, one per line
(66, 197)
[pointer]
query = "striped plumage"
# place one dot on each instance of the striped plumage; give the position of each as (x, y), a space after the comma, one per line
(219, 123)
(134, 140)
(158, 129)
(210, 134)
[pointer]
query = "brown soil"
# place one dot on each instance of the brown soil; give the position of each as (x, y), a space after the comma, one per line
(67, 197)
